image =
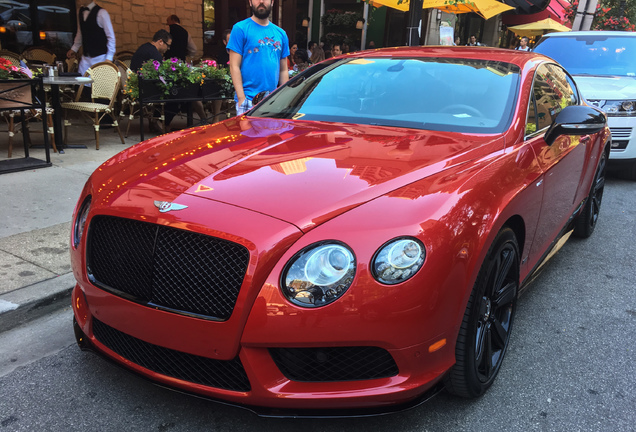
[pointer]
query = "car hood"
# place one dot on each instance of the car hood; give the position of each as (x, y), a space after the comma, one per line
(300, 172)
(606, 87)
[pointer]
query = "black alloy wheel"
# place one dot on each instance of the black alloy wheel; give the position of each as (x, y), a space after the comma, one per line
(585, 222)
(485, 331)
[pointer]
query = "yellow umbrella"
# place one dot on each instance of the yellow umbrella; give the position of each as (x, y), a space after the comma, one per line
(539, 27)
(486, 8)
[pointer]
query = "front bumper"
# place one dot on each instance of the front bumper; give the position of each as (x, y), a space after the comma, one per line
(269, 392)
(85, 344)
(623, 149)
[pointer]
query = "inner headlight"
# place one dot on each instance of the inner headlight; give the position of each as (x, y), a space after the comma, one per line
(80, 221)
(398, 260)
(319, 274)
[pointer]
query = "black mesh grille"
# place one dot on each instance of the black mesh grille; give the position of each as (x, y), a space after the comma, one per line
(225, 374)
(165, 266)
(334, 364)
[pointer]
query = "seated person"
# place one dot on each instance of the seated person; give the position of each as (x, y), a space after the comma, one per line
(301, 60)
(155, 50)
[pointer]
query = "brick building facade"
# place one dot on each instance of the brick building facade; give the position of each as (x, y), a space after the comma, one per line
(135, 21)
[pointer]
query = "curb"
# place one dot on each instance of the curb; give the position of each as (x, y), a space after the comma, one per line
(25, 304)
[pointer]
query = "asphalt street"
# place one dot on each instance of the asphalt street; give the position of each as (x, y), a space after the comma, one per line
(570, 366)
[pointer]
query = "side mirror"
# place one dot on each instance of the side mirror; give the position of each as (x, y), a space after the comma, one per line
(259, 97)
(576, 120)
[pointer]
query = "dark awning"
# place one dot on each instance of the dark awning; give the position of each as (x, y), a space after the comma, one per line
(524, 7)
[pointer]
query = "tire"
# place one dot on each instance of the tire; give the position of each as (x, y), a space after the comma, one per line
(485, 330)
(585, 222)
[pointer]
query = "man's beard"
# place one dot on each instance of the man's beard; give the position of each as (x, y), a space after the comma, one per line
(263, 13)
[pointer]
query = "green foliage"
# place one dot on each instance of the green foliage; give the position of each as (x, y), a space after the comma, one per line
(210, 70)
(339, 18)
(614, 15)
(174, 73)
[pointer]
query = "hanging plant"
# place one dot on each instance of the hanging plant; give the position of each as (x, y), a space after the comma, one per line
(342, 19)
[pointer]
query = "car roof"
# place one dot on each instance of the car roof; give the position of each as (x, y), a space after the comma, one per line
(519, 58)
(590, 33)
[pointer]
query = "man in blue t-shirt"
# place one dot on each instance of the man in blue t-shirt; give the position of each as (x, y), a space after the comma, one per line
(258, 55)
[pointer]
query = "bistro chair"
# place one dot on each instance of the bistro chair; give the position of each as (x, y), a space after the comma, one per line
(11, 56)
(38, 55)
(134, 110)
(124, 57)
(125, 102)
(72, 65)
(105, 87)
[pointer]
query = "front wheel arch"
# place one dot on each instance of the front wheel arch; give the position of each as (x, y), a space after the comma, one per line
(486, 326)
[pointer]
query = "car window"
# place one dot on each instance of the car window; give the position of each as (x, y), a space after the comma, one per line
(459, 95)
(592, 54)
(552, 90)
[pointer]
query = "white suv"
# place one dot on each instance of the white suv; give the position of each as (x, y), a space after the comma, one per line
(603, 64)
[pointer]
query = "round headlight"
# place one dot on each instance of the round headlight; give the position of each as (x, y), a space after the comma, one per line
(80, 221)
(398, 260)
(627, 106)
(319, 274)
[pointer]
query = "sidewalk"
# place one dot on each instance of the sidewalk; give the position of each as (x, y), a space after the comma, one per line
(36, 211)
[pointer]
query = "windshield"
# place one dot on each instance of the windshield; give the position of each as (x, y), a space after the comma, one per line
(592, 55)
(437, 94)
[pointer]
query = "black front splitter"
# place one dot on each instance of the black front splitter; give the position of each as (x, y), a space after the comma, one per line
(86, 345)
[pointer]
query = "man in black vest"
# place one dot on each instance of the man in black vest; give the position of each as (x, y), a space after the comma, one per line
(95, 33)
(182, 43)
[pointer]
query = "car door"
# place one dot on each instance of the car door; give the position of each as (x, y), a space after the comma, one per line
(562, 161)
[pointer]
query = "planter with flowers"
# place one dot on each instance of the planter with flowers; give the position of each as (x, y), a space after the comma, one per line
(173, 79)
(217, 83)
(169, 79)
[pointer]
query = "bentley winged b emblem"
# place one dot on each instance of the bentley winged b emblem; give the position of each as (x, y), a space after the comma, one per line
(166, 206)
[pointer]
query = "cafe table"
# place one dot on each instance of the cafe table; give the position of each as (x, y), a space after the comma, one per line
(56, 103)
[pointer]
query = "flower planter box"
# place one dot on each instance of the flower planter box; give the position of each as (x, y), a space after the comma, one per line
(190, 91)
(151, 91)
(16, 94)
(211, 89)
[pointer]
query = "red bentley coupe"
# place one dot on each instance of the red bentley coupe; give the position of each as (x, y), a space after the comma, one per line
(354, 243)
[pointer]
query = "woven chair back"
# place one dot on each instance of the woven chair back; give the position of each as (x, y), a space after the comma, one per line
(11, 56)
(106, 80)
(39, 54)
(71, 65)
(123, 70)
(125, 57)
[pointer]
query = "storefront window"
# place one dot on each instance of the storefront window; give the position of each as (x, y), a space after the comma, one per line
(46, 23)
